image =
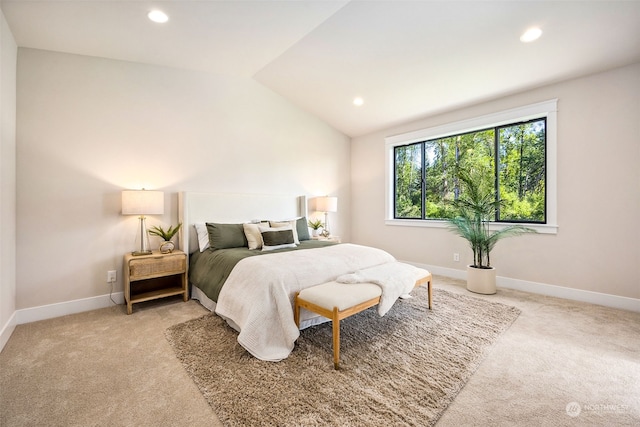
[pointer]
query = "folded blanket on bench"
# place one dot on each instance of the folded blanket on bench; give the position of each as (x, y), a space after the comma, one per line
(394, 278)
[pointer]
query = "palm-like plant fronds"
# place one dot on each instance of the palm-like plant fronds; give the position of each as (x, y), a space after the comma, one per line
(315, 224)
(476, 208)
(167, 234)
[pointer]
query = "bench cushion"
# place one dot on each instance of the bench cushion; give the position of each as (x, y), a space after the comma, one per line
(421, 273)
(333, 294)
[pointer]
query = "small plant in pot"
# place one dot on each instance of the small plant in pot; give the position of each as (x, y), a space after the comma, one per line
(167, 245)
(476, 208)
(315, 225)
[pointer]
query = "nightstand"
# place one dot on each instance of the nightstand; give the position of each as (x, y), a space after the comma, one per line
(148, 277)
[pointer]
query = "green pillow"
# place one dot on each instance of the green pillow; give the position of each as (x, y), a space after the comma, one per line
(277, 238)
(224, 236)
(303, 229)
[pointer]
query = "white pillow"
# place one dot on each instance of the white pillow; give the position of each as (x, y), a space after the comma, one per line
(277, 238)
(203, 236)
(292, 223)
(252, 232)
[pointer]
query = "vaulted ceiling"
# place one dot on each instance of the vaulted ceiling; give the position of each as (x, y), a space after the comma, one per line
(405, 59)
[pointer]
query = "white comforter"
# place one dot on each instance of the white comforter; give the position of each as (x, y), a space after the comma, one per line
(394, 278)
(258, 294)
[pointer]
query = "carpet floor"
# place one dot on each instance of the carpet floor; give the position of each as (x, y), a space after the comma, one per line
(402, 369)
(561, 363)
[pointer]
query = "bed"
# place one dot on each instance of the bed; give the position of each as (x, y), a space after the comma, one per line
(253, 289)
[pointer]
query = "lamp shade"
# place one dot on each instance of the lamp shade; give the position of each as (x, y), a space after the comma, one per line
(142, 202)
(327, 204)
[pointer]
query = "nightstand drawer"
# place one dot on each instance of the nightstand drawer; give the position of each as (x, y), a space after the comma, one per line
(157, 267)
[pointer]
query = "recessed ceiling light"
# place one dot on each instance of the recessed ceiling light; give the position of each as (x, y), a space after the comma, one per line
(531, 34)
(357, 101)
(158, 16)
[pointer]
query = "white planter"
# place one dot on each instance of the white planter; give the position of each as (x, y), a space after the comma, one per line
(481, 280)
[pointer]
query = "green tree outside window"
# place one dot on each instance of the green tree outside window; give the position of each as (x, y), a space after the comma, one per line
(427, 174)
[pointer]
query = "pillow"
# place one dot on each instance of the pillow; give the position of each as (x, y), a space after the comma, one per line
(302, 227)
(277, 238)
(252, 233)
(203, 236)
(223, 236)
(291, 224)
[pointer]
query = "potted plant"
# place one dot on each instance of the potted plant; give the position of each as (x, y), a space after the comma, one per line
(315, 225)
(476, 207)
(167, 245)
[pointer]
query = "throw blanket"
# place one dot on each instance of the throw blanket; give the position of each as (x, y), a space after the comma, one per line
(258, 294)
(394, 278)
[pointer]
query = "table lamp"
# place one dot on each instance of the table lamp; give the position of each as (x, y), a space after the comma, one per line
(142, 202)
(326, 204)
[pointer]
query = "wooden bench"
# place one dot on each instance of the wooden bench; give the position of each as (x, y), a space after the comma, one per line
(337, 301)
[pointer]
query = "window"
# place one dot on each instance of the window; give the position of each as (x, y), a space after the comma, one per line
(514, 150)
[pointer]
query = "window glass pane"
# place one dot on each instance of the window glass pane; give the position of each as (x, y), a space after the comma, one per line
(508, 158)
(444, 158)
(408, 181)
(522, 177)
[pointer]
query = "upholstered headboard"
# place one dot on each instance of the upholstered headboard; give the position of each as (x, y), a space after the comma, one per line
(196, 208)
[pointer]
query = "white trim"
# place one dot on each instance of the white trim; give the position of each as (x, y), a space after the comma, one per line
(431, 223)
(597, 298)
(441, 271)
(524, 113)
(43, 312)
(548, 109)
(7, 330)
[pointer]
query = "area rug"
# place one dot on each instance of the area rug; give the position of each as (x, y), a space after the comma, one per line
(401, 369)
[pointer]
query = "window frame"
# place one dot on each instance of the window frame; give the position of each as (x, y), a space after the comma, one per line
(545, 109)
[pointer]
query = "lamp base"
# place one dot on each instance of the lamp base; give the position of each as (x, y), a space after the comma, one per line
(144, 239)
(139, 253)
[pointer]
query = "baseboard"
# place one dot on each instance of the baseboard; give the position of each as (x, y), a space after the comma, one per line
(608, 300)
(43, 312)
(442, 271)
(50, 311)
(7, 330)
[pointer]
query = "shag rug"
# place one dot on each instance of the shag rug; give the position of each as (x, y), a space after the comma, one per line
(401, 369)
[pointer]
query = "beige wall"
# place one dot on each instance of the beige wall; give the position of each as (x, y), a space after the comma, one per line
(8, 54)
(88, 128)
(596, 248)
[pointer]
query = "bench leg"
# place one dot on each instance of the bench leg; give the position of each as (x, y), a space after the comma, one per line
(336, 338)
(296, 310)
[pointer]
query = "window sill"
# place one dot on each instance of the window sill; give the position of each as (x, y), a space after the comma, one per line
(540, 228)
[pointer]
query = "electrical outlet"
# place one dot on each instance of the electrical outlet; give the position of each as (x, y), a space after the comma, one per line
(111, 276)
(456, 257)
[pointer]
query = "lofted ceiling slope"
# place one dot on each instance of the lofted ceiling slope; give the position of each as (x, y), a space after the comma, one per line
(406, 59)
